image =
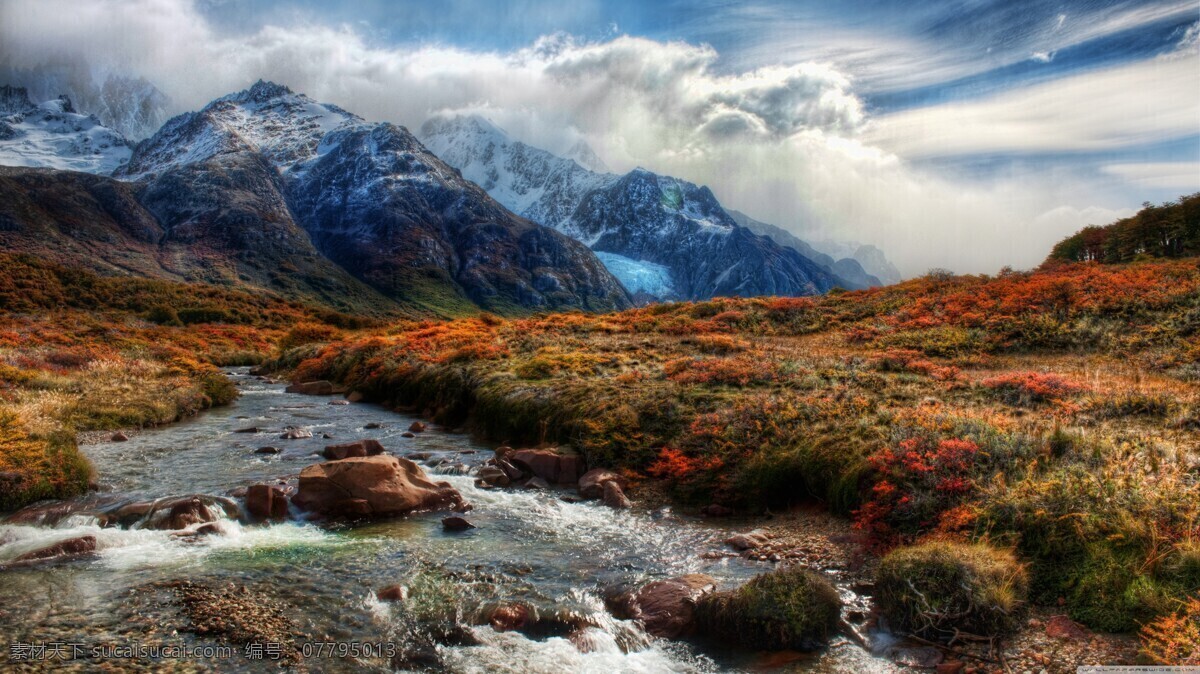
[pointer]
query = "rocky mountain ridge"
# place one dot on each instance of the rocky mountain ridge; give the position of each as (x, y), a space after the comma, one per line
(640, 223)
(268, 187)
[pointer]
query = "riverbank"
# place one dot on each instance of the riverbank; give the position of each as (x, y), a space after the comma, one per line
(1050, 413)
(538, 549)
(81, 353)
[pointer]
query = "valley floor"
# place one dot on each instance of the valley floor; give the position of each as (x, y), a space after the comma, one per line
(1046, 418)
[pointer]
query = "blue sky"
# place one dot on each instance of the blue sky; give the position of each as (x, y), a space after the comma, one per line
(966, 135)
(901, 55)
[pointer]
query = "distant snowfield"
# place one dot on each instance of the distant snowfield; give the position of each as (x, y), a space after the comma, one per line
(638, 275)
(47, 136)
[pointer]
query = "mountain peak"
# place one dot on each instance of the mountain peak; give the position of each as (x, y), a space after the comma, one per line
(286, 127)
(261, 91)
(585, 156)
(471, 125)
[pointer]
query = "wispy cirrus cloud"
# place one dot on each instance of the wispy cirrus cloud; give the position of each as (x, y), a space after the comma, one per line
(1131, 105)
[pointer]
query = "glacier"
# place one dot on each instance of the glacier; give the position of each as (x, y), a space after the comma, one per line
(639, 276)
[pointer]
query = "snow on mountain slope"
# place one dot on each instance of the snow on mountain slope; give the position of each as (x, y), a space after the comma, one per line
(267, 118)
(638, 218)
(53, 135)
(531, 182)
(131, 106)
(380, 205)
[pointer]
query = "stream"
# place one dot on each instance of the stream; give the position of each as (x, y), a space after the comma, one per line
(537, 547)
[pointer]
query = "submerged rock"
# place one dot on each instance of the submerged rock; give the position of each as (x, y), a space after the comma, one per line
(510, 617)
(178, 512)
(373, 486)
(69, 547)
(267, 450)
(292, 433)
(456, 524)
(311, 388)
(494, 476)
(716, 510)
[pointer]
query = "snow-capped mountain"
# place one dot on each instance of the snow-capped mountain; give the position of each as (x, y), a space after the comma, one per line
(531, 182)
(131, 106)
(641, 222)
(380, 205)
(53, 135)
(267, 118)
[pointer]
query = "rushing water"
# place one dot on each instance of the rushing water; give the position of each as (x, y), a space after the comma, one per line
(531, 546)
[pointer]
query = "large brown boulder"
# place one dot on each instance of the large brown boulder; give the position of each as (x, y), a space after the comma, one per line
(666, 608)
(373, 486)
(552, 465)
(264, 501)
(591, 485)
(367, 447)
(311, 388)
(71, 546)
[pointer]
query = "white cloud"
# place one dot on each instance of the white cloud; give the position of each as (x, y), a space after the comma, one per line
(1183, 175)
(1130, 105)
(784, 143)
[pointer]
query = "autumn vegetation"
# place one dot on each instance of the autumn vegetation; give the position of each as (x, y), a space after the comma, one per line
(1040, 428)
(1048, 417)
(82, 352)
(1171, 230)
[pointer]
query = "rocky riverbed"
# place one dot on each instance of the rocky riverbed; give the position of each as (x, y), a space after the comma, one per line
(514, 559)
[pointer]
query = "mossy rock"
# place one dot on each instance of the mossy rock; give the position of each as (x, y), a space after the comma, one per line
(933, 589)
(785, 609)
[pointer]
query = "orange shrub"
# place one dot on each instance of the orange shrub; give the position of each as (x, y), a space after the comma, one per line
(1025, 388)
(742, 370)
